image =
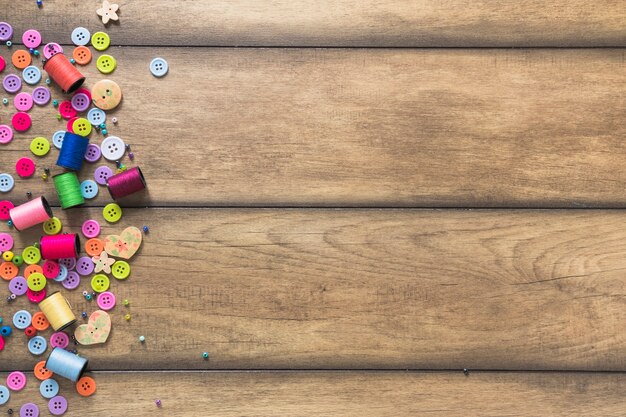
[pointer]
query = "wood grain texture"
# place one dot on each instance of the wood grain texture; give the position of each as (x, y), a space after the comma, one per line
(363, 289)
(406, 128)
(397, 23)
(342, 394)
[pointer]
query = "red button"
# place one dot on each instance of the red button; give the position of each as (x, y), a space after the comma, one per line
(2, 64)
(50, 269)
(70, 124)
(21, 121)
(66, 110)
(1, 342)
(36, 296)
(25, 167)
(5, 207)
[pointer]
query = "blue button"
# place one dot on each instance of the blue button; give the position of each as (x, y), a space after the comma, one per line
(37, 345)
(96, 116)
(89, 189)
(158, 67)
(57, 139)
(6, 183)
(62, 273)
(22, 319)
(49, 388)
(80, 36)
(31, 74)
(4, 394)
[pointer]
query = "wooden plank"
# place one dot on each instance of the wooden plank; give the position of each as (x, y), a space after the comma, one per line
(342, 394)
(397, 23)
(416, 128)
(364, 289)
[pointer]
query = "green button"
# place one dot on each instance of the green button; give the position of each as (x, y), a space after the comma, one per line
(31, 255)
(121, 269)
(52, 226)
(100, 283)
(40, 146)
(81, 127)
(100, 41)
(36, 281)
(112, 213)
(106, 64)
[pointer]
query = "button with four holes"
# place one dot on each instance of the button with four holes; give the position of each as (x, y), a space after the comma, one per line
(57, 405)
(6, 31)
(31, 269)
(60, 340)
(92, 154)
(70, 263)
(31, 255)
(41, 372)
(100, 283)
(81, 127)
(22, 319)
(41, 96)
(21, 121)
(57, 139)
(40, 322)
(25, 167)
(112, 212)
(106, 64)
(159, 67)
(23, 101)
(96, 116)
(12, 83)
(113, 148)
(31, 74)
(6, 182)
(86, 386)
(66, 110)
(72, 281)
(49, 388)
(91, 228)
(8, 270)
(36, 296)
(6, 134)
(120, 269)
(100, 41)
(84, 266)
(50, 269)
(16, 381)
(36, 281)
(37, 345)
(5, 238)
(80, 36)
(94, 247)
(52, 226)
(62, 275)
(102, 174)
(89, 189)
(21, 59)
(18, 285)
(51, 49)
(4, 394)
(29, 410)
(106, 300)
(82, 55)
(31, 38)
(80, 102)
(40, 146)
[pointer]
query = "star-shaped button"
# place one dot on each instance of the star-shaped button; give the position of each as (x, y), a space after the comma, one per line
(103, 263)
(108, 11)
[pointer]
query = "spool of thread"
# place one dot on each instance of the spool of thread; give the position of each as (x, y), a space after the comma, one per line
(60, 246)
(64, 73)
(126, 183)
(68, 190)
(66, 364)
(72, 153)
(58, 311)
(31, 213)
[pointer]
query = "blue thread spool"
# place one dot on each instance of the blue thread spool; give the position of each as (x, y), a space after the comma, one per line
(66, 364)
(72, 152)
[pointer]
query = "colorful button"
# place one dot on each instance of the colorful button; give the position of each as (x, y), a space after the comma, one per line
(49, 388)
(22, 319)
(100, 41)
(62, 275)
(51, 49)
(8, 271)
(91, 228)
(96, 116)
(41, 372)
(72, 281)
(25, 167)
(17, 260)
(31, 255)
(41, 96)
(23, 101)
(4, 391)
(106, 64)
(113, 148)
(6, 240)
(112, 212)
(50, 269)
(84, 266)
(12, 83)
(6, 31)
(158, 67)
(31, 38)
(106, 94)
(120, 269)
(40, 322)
(66, 110)
(86, 386)
(18, 286)
(2, 64)
(82, 55)
(80, 102)
(52, 226)
(5, 208)
(31, 74)
(21, 59)
(70, 124)
(31, 269)
(102, 174)
(80, 36)
(84, 91)
(29, 410)
(36, 296)
(40, 146)
(6, 182)
(60, 340)
(2, 343)
(21, 122)
(57, 139)
(106, 301)
(36, 281)
(81, 127)
(57, 405)
(94, 247)
(6, 134)
(92, 153)
(37, 345)
(100, 283)
(70, 263)
(89, 189)
(16, 381)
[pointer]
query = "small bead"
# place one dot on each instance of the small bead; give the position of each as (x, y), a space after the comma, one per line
(104, 131)
(29, 195)
(128, 146)
(9, 44)
(58, 117)
(205, 355)
(157, 402)
(10, 223)
(10, 411)
(114, 120)
(126, 303)
(44, 176)
(13, 296)
(127, 317)
(85, 293)
(39, 3)
(88, 297)
(84, 314)
(103, 126)
(5, 101)
(48, 81)
(55, 103)
(72, 61)
(131, 156)
(36, 52)
(142, 339)
(466, 371)
(36, 244)
(146, 229)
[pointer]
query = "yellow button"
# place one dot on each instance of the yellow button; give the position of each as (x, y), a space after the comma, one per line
(31, 255)
(52, 226)
(36, 281)
(106, 64)
(120, 269)
(100, 283)
(40, 146)
(100, 41)
(112, 213)
(82, 126)
(7, 256)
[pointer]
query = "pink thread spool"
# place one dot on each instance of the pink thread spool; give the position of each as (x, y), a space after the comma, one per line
(126, 183)
(31, 213)
(60, 246)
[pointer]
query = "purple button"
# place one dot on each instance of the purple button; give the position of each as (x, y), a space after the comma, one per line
(102, 174)
(80, 102)
(59, 339)
(91, 228)
(16, 380)
(12, 83)
(57, 405)
(84, 266)
(31, 38)
(6, 31)
(6, 134)
(18, 285)
(92, 154)
(69, 263)
(51, 49)
(29, 410)
(72, 281)
(41, 96)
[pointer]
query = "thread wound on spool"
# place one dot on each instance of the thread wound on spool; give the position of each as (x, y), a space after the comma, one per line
(72, 153)
(31, 213)
(60, 246)
(58, 311)
(64, 73)
(66, 364)
(126, 183)
(68, 190)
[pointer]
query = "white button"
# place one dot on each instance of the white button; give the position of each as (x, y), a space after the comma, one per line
(113, 148)
(96, 116)
(4, 394)
(57, 139)
(6, 183)
(158, 67)
(22, 319)
(80, 36)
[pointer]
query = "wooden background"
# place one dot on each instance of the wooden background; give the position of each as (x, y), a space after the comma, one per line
(310, 207)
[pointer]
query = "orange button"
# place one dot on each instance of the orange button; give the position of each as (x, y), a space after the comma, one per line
(8, 270)
(32, 268)
(86, 386)
(41, 372)
(21, 59)
(40, 322)
(94, 247)
(82, 55)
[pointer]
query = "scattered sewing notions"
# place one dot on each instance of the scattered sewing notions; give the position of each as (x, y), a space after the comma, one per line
(108, 11)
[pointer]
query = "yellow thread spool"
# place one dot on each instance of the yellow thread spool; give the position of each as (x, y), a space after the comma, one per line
(58, 311)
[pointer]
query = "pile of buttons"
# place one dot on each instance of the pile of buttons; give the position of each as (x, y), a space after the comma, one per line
(38, 276)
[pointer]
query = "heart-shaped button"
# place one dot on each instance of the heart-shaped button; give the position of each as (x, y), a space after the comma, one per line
(124, 245)
(96, 330)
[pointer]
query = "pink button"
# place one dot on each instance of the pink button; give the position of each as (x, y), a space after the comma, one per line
(6, 241)
(2, 64)
(91, 228)
(25, 167)
(23, 101)
(16, 380)
(106, 300)
(1, 343)
(6, 134)
(5, 208)
(50, 269)
(36, 296)
(21, 122)
(70, 124)
(51, 49)
(31, 38)
(66, 110)
(60, 340)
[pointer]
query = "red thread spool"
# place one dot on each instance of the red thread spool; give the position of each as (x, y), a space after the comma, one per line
(60, 246)
(126, 183)
(64, 73)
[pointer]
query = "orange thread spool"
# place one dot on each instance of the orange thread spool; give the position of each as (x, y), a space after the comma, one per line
(64, 73)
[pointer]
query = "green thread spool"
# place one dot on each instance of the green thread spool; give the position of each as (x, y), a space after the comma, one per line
(68, 190)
